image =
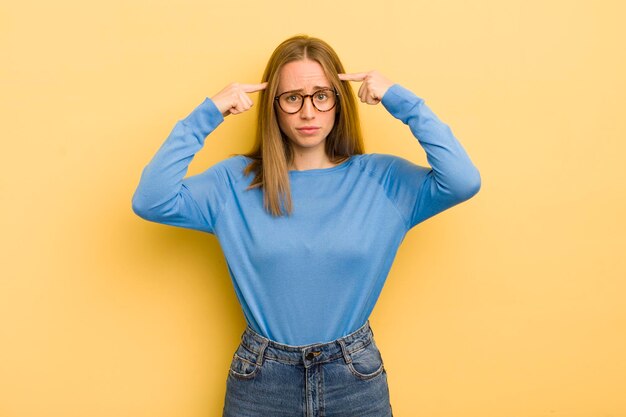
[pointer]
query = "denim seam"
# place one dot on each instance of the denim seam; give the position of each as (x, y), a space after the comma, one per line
(367, 377)
(367, 343)
(245, 360)
(244, 376)
(290, 362)
(249, 349)
(261, 354)
(278, 359)
(320, 389)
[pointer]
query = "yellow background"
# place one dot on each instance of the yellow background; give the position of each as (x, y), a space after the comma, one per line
(509, 305)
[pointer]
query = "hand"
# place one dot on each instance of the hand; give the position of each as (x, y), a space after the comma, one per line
(373, 88)
(234, 98)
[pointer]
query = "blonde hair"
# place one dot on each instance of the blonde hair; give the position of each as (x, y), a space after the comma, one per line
(272, 154)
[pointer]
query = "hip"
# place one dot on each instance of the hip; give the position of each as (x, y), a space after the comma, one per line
(342, 378)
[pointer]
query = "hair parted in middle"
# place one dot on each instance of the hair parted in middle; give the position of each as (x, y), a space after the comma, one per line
(272, 154)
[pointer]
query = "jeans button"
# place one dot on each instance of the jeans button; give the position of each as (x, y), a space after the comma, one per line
(309, 356)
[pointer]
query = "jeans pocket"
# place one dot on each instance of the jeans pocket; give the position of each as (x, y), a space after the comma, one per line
(366, 363)
(243, 365)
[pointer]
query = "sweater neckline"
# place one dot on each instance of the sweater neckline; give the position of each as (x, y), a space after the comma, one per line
(318, 171)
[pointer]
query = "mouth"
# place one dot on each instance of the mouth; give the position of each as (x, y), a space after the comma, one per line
(308, 130)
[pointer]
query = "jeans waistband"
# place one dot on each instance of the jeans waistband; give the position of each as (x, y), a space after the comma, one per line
(307, 355)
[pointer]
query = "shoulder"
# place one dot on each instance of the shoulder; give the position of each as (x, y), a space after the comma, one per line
(227, 171)
(233, 165)
(391, 172)
(380, 163)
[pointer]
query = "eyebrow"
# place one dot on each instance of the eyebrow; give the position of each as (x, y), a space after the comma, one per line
(316, 88)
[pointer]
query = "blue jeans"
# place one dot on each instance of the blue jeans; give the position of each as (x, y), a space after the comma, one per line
(342, 378)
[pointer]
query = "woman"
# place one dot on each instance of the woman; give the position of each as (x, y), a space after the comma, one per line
(309, 225)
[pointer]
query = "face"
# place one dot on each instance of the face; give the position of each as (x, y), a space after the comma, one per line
(308, 128)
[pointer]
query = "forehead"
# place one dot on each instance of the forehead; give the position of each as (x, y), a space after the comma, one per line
(304, 74)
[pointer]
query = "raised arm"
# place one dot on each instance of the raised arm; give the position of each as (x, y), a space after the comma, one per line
(162, 195)
(452, 178)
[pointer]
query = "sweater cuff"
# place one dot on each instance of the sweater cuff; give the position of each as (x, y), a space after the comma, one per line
(204, 118)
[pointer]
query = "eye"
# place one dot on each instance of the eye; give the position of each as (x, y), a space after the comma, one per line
(321, 96)
(293, 98)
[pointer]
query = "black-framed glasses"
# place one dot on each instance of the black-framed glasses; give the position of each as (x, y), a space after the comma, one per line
(322, 100)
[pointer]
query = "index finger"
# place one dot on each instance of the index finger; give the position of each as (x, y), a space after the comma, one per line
(357, 76)
(251, 88)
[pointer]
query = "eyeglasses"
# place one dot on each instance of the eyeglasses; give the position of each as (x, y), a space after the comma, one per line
(323, 100)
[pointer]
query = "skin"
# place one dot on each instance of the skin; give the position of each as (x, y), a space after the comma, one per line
(305, 75)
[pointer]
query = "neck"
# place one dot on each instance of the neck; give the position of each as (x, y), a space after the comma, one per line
(310, 160)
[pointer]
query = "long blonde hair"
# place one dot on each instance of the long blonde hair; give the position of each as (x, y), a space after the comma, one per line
(272, 154)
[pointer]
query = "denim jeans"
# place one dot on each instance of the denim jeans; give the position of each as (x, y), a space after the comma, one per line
(342, 378)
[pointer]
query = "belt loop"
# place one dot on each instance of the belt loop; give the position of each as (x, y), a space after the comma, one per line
(261, 355)
(344, 350)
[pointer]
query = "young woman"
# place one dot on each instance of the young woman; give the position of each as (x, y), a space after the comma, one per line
(309, 225)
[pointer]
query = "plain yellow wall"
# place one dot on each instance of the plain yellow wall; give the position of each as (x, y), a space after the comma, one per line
(509, 305)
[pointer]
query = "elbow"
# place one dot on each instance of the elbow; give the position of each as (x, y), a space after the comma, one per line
(149, 208)
(140, 207)
(469, 186)
(474, 184)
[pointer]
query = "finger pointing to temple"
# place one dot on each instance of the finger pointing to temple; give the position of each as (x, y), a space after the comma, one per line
(359, 76)
(251, 88)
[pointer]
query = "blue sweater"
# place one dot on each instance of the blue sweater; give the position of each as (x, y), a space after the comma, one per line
(316, 275)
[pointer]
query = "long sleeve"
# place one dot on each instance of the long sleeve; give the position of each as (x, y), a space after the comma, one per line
(162, 195)
(423, 192)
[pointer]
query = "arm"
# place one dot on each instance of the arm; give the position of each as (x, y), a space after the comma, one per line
(453, 178)
(421, 192)
(162, 195)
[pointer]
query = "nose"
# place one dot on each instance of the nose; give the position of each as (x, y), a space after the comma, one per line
(307, 111)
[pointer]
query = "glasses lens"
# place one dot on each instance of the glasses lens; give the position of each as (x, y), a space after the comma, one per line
(290, 102)
(324, 100)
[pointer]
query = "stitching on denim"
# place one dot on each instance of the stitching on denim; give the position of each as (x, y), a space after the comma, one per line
(244, 376)
(320, 400)
(245, 360)
(367, 376)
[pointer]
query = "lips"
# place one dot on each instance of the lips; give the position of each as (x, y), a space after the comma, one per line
(308, 130)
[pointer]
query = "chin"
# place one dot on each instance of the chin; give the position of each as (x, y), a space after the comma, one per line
(308, 144)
